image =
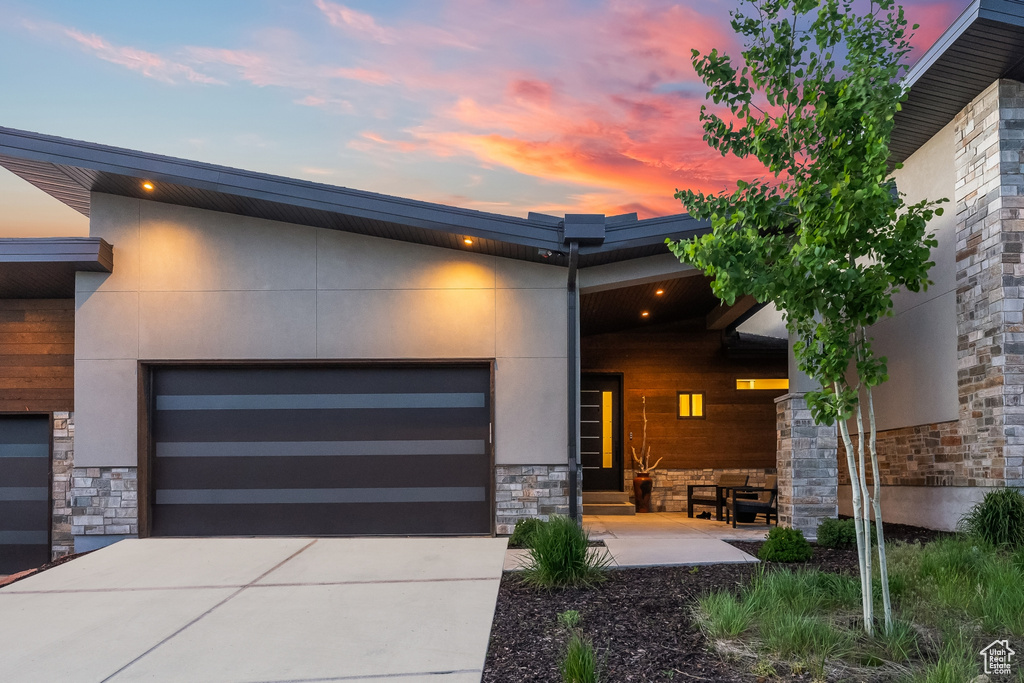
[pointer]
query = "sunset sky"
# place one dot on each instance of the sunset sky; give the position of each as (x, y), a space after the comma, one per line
(509, 107)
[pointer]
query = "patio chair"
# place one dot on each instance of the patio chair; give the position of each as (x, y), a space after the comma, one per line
(716, 495)
(765, 503)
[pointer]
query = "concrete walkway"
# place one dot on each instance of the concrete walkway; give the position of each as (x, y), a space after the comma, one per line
(663, 538)
(268, 609)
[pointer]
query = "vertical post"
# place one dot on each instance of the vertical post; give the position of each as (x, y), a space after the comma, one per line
(573, 369)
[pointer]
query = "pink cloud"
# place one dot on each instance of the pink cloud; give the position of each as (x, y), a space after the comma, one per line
(371, 76)
(597, 100)
(362, 25)
(933, 19)
(148, 64)
(357, 23)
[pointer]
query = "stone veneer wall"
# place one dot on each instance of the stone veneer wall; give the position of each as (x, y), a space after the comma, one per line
(989, 197)
(62, 541)
(669, 493)
(925, 455)
(808, 475)
(105, 501)
(523, 491)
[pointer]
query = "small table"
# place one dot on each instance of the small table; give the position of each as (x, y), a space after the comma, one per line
(721, 495)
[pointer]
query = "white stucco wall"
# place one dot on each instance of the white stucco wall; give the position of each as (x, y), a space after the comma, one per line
(920, 339)
(190, 284)
(931, 507)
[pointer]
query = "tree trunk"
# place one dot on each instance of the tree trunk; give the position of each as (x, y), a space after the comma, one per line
(876, 502)
(865, 513)
(858, 525)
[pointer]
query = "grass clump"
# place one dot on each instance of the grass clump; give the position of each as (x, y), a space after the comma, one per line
(841, 533)
(561, 556)
(569, 619)
(524, 531)
(785, 545)
(579, 663)
(997, 520)
(958, 579)
(722, 615)
(579, 660)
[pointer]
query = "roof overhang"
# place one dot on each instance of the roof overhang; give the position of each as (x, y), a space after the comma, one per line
(45, 268)
(984, 44)
(71, 170)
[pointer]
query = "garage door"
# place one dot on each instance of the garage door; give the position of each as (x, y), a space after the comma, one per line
(24, 492)
(321, 451)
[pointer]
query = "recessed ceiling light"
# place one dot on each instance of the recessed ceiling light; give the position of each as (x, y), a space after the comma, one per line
(148, 186)
(659, 292)
(644, 314)
(467, 240)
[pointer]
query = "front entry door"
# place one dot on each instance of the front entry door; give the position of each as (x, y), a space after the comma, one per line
(601, 432)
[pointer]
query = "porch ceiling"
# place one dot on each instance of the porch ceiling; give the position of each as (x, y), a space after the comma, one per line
(621, 309)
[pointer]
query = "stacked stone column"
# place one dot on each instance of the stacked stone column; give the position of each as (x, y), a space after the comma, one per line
(807, 466)
(989, 204)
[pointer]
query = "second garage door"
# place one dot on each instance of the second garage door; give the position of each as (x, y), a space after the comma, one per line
(320, 450)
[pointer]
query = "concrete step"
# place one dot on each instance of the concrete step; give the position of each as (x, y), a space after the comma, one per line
(609, 509)
(605, 497)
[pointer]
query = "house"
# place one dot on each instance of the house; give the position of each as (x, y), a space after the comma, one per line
(233, 353)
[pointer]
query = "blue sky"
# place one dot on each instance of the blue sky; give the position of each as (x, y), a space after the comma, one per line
(552, 106)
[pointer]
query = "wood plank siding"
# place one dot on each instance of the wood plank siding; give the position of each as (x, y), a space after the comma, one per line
(37, 354)
(739, 428)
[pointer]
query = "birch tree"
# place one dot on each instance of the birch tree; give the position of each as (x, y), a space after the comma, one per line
(824, 233)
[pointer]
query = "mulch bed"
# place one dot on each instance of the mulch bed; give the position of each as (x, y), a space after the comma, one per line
(640, 620)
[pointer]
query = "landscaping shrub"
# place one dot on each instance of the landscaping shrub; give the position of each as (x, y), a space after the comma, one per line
(841, 533)
(785, 545)
(561, 556)
(998, 519)
(526, 529)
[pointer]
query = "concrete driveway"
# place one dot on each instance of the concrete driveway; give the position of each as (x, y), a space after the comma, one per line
(257, 609)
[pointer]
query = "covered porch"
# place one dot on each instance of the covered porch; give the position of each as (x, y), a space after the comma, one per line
(708, 377)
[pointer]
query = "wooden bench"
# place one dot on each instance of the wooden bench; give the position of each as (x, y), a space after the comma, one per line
(716, 496)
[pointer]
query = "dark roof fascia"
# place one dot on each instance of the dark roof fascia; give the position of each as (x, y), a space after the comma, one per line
(49, 161)
(278, 189)
(90, 254)
(649, 232)
(956, 69)
(44, 268)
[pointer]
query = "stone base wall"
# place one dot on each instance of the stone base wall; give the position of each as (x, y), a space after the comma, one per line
(62, 541)
(924, 455)
(807, 467)
(669, 492)
(105, 501)
(523, 491)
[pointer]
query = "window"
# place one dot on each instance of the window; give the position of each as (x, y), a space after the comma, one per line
(762, 384)
(691, 405)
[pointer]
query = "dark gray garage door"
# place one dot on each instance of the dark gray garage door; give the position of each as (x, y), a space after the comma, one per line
(321, 451)
(24, 492)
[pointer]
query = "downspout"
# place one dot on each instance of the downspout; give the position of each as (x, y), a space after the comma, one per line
(573, 363)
